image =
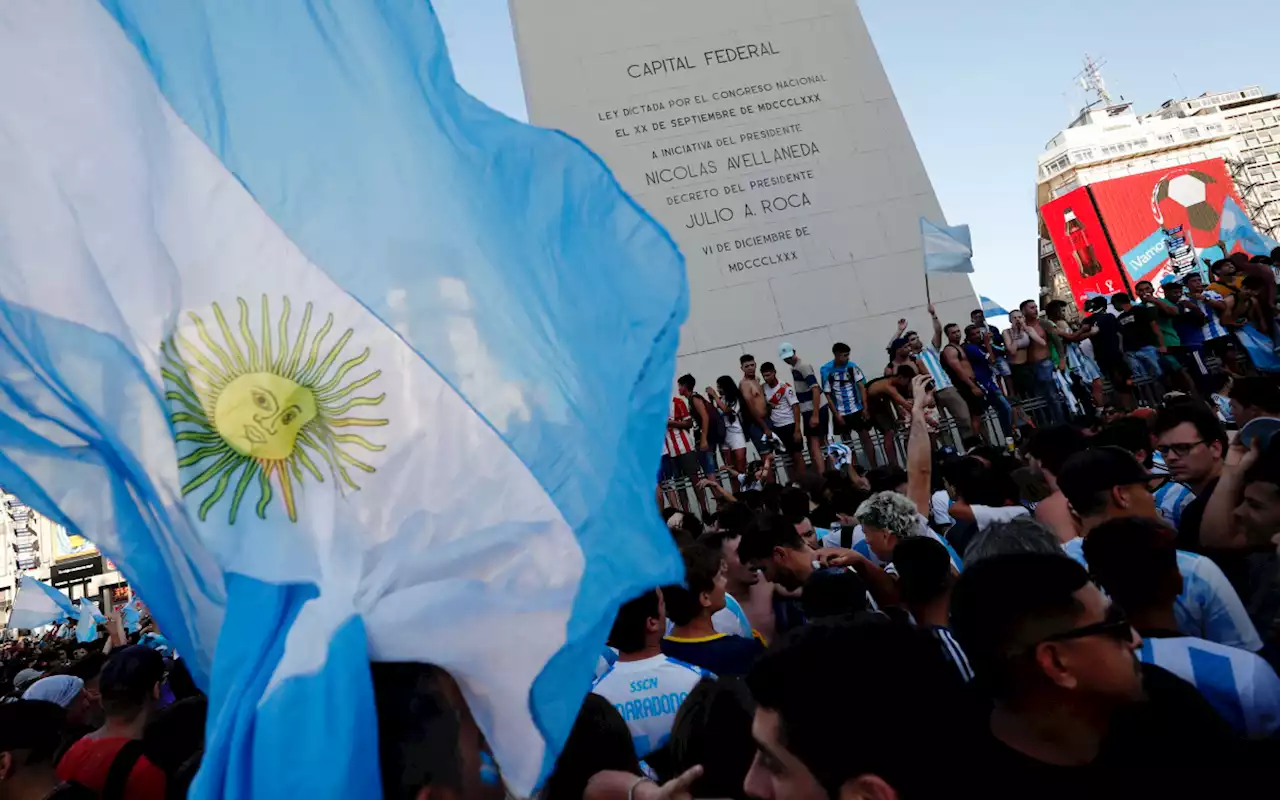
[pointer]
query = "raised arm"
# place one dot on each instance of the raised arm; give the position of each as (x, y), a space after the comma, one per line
(919, 446)
(1218, 528)
(937, 327)
(902, 328)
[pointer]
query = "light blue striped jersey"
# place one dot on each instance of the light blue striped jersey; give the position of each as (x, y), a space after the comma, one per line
(648, 693)
(1212, 326)
(1172, 498)
(932, 361)
(731, 619)
(1208, 606)
(843, 383)
(605, 662)
(1240, 686)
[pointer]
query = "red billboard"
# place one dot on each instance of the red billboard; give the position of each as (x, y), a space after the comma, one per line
(1163, 222)
(1081, 243)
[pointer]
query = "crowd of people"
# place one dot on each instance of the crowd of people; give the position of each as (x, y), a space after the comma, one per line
(1095, 612)
(117, 718)
(1191, 337)
(1090, 607)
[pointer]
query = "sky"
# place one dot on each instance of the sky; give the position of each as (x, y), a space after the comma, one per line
(984, 91)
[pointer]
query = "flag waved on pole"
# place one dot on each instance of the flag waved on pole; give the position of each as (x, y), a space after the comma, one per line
(991, 308)
(131, 614)
(37, 604)
(946, 249)
(87, 625)
(334, 362)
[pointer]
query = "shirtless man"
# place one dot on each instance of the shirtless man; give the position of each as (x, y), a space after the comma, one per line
(1039, 361)
(888, 401)
(753, 407)
(957, 363)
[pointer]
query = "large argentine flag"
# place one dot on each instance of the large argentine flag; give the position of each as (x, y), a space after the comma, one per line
(334, 362)
(37, 604)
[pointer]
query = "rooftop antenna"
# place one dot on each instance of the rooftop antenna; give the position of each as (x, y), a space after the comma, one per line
(1091, 79)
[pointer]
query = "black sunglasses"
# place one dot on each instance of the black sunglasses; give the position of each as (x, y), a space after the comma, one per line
(1116, 626)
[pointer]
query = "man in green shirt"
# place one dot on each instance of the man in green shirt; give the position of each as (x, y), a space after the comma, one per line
(1172, 360)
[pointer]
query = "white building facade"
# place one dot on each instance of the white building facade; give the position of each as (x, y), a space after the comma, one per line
(34, 546)
(1253, 117)
(1111, 141)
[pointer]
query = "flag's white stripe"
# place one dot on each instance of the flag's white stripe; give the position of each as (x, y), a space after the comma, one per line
(104, 189)
(32, 607)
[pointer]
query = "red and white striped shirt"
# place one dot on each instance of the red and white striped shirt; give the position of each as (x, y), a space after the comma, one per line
(679, 440)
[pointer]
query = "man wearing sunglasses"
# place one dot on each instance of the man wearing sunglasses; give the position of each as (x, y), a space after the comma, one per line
(1107, 483)
(1069, 714)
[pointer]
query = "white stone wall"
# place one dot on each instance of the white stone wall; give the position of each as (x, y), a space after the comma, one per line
(858, 267)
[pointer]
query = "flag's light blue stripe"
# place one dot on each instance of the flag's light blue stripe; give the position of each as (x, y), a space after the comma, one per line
(363, 149)
(1216, 681)
(258, 617)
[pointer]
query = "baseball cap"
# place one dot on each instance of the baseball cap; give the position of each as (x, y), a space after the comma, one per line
(25, 677)
(785, 350)
(131, 673)
(1095, 303)
(1099, 470)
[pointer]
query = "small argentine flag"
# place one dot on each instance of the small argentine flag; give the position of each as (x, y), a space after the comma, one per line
(334, 362)
(946, 249)
(131, 615)
(87, 625)
(37, 604)
(990, 308)
(1238, 230)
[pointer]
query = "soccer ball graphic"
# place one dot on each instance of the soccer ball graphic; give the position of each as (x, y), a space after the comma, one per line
(1192, 199)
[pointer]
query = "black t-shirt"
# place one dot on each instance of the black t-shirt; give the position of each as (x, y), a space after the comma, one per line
(1173, 745)
(1192, 517)
(1135, 328)
(1106, 344)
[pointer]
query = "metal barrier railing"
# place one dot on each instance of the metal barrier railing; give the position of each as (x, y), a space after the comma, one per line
(1147, 392)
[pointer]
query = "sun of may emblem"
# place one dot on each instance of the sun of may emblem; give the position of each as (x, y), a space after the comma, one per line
(246, 412)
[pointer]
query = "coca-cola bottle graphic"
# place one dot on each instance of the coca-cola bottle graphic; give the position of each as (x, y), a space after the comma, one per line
(1086, 260)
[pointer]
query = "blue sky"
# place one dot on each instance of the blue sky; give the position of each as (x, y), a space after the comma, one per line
(984, 91)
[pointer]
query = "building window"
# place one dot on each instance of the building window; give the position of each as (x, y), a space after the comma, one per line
(1190, 133)
(1166, 138)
